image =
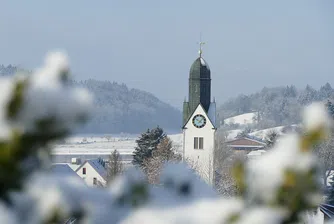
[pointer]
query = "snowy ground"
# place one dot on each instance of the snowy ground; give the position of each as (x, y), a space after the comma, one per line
(87, 147)
(264, 132)
(103, 145)
(242, 119)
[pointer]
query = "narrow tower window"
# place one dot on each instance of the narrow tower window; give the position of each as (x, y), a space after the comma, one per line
(195, 143)
(198, 143)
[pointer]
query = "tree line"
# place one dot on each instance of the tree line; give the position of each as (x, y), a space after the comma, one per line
(275, 106)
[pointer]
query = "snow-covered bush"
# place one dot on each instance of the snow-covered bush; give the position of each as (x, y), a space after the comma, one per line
(38, 109)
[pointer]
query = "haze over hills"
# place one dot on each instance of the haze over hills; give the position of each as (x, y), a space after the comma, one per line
(121, 109)
(118, 108)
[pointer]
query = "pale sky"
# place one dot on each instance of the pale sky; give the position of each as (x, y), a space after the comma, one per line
(151, 44)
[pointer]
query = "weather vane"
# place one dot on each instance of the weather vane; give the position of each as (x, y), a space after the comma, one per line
(200, 45)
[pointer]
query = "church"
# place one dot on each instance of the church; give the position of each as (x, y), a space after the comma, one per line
(199, 120)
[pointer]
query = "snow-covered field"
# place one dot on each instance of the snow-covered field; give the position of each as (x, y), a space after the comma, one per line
(103, 145)
(242, 119)
(264, 132)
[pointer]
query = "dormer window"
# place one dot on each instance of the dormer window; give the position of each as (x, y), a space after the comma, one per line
(84, 170)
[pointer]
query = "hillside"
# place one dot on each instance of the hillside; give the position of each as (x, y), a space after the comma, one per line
(279, 106)
(120, 109)
(242, 119)
(246, 124)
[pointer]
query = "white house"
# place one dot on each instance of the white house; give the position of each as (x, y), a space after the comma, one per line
(93, 171)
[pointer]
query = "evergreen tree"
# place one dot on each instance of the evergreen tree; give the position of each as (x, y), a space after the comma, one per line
(290, 91)
(330, 108)
(308, 96)
(244, 133)
(325, 91)
(146, 144)
(271, 139)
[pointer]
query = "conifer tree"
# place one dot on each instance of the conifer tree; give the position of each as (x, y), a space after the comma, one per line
(330, 108)
(271, 139)
(146, 144)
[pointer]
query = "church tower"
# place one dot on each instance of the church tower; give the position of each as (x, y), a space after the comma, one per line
(199, 120)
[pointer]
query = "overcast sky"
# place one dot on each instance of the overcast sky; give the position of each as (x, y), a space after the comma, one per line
(150, 44)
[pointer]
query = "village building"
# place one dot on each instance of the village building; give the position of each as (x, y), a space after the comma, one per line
(93, 172)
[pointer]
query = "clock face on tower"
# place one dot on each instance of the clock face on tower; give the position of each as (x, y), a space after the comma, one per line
(199, 121)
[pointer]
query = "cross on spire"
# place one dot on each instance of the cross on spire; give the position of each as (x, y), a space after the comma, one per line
(200, 45)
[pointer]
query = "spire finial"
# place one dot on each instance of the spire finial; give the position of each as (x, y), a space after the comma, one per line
(200, 45)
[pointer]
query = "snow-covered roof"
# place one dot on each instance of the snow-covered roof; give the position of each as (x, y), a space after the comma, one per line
(202, 61)
(249, 138)
(245, 146)
(63, 169)
(256, 139)
(96, 164)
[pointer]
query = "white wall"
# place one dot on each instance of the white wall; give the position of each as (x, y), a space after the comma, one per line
(202, 157)
(90, 174)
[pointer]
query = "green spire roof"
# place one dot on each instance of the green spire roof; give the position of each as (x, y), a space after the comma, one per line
(199, 69)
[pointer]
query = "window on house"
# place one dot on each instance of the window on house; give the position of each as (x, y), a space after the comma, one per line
(94, 181)
(198, 143)
(83, 170)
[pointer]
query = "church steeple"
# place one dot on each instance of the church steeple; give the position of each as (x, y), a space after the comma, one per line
(199, 119)
(199, 86)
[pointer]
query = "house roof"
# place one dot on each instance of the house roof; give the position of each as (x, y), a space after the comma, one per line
(63, 169)
(96, 164)
(244, 140)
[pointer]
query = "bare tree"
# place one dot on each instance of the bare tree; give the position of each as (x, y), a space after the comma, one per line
(115, 166)
(165, 152)
(203, 170)
(152, 168)
(224, 160)
(108, 137)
